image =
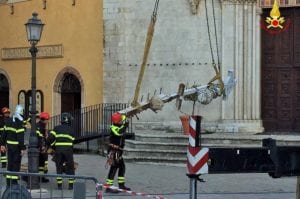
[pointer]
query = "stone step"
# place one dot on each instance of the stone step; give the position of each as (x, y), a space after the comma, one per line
(218, 138)
(163, 137)
(133, 144)
(205, 139)
(154, 153)
(159, 147)
(160, 156)
(179, 161)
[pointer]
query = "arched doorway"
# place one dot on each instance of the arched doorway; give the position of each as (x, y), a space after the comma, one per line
(70, 90)
(70, 93)
(4, 91)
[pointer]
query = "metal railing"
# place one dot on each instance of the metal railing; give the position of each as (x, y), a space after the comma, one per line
(84, 187)
(92, 122)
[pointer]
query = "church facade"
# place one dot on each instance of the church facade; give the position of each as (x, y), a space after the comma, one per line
(189, 37)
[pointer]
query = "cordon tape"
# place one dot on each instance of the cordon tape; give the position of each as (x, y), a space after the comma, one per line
(133, 193)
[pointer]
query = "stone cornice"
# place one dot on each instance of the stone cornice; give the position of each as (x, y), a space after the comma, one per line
(239, 1)
(49, 51)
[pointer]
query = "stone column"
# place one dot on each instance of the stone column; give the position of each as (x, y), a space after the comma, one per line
(241, 37)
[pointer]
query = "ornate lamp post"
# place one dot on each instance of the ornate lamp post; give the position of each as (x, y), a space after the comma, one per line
(34, 28)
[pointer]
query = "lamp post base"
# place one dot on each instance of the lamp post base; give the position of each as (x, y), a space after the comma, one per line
(33, 162)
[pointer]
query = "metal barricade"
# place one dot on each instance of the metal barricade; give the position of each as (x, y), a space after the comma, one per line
(84, 187)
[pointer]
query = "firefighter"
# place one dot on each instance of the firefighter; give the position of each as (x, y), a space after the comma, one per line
(42, 134)
(5, 116)
(13, 137)
(62, 137)
(115, 151)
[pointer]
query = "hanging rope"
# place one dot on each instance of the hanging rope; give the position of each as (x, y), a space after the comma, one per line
(209, 36)
(216, 66)
(215, 27)
(146, 53)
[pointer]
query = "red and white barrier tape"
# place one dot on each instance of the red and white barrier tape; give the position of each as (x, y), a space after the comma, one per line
(133, 193)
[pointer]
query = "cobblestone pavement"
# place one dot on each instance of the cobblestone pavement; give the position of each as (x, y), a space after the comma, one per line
(172, 182)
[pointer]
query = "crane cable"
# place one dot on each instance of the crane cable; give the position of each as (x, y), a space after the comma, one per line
(216, 66)
(149, 37)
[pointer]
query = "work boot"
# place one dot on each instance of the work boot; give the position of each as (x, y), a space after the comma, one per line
(59, 186)
(122, 186)
(109, 190)
(70, 186)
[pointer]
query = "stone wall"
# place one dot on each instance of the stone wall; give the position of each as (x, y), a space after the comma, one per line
(180, 53)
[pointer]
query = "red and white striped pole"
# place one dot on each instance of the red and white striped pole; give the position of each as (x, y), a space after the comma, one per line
(196, 155)
(99, 195)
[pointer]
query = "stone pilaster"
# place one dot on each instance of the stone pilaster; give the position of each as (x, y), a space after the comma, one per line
(241, 37)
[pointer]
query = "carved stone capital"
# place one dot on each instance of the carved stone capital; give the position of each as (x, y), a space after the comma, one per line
(259, 11)
(194, 5)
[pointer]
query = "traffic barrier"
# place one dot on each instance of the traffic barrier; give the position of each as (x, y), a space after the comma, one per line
(196, 155)
(48, 190)
(197, 160)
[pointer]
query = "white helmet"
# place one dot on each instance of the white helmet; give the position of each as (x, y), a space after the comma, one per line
(18, 112)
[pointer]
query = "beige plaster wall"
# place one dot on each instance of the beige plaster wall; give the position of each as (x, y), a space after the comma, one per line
(77, 27)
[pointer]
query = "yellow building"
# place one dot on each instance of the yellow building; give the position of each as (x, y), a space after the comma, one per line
(69, 63)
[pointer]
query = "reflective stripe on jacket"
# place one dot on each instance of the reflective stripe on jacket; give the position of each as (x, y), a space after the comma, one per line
(61, 135)
(13, 134)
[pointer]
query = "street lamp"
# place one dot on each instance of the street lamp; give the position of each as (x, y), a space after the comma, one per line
(34, 28)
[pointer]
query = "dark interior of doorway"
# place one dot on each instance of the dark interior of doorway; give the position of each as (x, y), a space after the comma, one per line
(71, 99)
(4, 91)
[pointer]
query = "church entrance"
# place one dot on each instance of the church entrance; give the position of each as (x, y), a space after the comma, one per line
(281, 74)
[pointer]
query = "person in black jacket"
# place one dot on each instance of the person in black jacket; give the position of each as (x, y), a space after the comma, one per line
(4, 116)
(62, 137)
(42, 134)
(13, 138)
(115, 151)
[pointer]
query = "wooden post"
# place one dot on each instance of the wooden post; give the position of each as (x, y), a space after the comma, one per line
(298, 188)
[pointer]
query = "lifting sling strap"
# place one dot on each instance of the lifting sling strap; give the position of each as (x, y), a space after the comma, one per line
(149, 37)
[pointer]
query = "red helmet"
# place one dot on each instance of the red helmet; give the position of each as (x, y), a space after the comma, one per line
(116, 118)
(44, 116)
(5, 110)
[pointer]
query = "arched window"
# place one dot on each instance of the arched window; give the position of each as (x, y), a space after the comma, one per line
(69, 84)
(24, 98)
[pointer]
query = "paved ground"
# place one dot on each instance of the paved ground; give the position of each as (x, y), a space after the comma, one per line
(172, 182)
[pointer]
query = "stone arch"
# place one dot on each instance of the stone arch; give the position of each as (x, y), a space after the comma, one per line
(57, 106)
(60, 75)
